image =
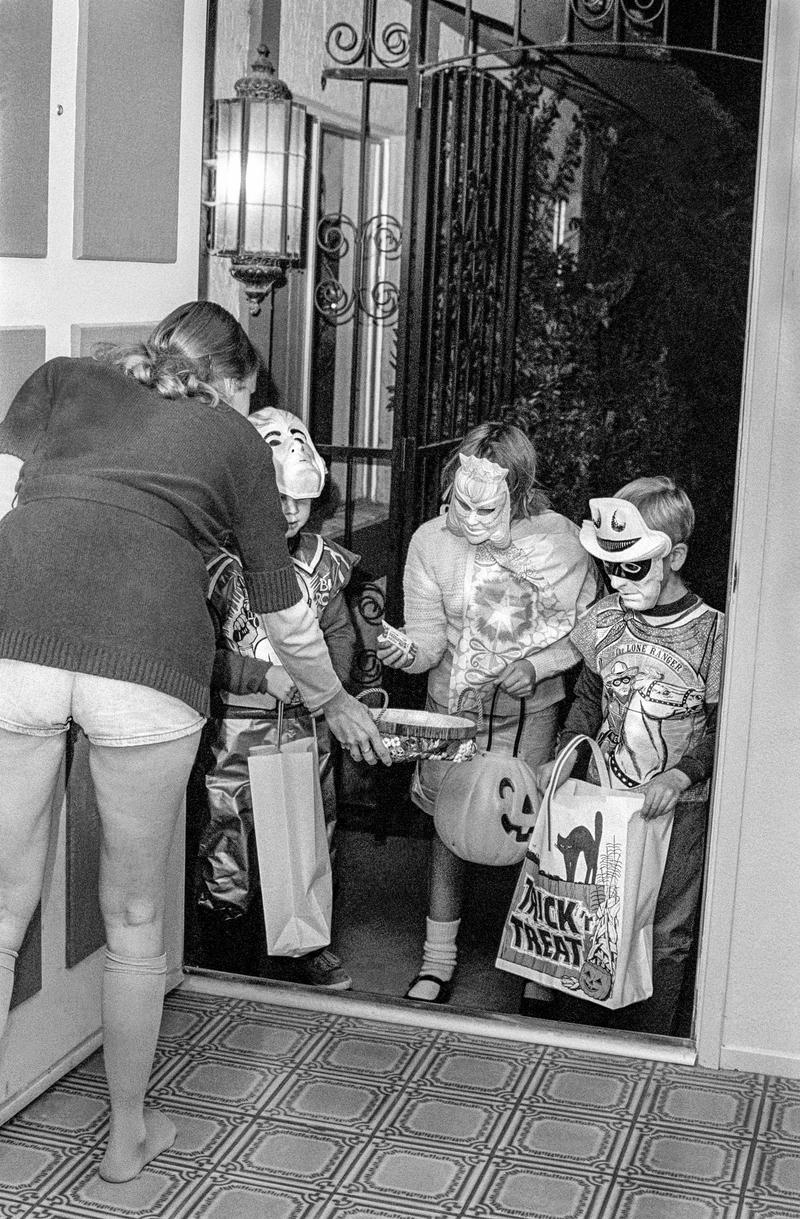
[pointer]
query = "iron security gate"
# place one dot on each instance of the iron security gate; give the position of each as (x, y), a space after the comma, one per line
(463, 256)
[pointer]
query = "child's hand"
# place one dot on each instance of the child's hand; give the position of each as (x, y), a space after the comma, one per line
(390, 654)
(395, 649)
(518, 679)
(279, 684)
(662, 793)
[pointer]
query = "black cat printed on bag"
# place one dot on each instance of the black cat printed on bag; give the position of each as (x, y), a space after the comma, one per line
(579, 841)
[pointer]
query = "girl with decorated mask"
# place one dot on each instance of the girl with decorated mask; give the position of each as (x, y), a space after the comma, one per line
(250, 681)
(492, 587)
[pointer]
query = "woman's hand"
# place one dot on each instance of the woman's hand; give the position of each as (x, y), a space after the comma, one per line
(518, 679)
(351, 723)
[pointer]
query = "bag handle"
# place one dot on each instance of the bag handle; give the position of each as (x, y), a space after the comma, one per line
(555, 778)
(281, 706)
(520, 725)
(379, 690)
(476, 708)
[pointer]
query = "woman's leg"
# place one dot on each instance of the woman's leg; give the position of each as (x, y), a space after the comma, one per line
(29, 769)
(139, 791)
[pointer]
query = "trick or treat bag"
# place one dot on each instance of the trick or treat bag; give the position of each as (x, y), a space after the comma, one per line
(581, 919)
(293, 857)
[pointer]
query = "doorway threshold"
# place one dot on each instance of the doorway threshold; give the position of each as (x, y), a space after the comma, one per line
(498, 1026)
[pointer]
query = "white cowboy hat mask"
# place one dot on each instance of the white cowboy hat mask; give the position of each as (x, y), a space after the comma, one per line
(618, 533)
(632, 553)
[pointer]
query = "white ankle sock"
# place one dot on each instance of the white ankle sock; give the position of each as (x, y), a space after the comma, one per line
(439, 957)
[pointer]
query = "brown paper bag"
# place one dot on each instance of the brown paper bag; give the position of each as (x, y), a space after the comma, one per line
(293, 858)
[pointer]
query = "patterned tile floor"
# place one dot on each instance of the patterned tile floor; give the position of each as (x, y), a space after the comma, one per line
(284, 1113)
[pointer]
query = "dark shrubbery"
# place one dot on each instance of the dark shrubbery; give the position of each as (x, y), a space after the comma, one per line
(631, 337)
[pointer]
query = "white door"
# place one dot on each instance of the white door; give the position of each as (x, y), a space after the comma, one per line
(100, 153)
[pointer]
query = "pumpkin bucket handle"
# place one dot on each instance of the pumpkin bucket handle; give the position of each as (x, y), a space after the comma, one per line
(520, 725)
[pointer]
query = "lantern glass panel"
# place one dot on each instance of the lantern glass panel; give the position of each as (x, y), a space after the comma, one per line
(265, 184)
(228, 176)
(296, 182)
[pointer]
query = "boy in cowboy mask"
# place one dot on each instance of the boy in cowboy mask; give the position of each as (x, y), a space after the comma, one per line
(657, 728)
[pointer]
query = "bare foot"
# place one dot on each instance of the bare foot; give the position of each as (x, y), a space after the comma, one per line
(125, 1158)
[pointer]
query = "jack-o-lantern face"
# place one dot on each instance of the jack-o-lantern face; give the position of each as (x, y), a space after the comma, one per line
(520, 830)
(486, 809)
(595, 980)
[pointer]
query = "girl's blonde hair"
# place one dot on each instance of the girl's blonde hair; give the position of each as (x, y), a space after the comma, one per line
(508, 446)
(189, 353)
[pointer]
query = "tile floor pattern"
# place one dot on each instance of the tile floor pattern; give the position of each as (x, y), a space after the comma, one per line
(289, 1114)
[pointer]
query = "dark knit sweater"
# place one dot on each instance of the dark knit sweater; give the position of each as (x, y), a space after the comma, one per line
(121, 495)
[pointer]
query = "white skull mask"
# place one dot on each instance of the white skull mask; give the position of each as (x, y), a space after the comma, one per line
(299, 469)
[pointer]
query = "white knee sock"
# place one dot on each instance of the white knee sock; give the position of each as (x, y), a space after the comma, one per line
(8, 965)
(133, 1000)
(439, 956)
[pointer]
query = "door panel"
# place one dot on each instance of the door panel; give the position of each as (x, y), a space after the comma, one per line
(55, 302)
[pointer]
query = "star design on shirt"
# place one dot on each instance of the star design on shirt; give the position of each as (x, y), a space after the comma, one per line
(501, 614)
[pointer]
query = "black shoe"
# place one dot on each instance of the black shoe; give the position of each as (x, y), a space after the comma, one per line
(442, 995)
(322, 968)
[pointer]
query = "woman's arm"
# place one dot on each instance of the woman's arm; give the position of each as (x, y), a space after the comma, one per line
(295, 635)
(260, 529)
(339, 634)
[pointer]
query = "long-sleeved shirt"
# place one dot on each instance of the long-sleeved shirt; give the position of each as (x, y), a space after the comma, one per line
(649, 688)
(121, 493)
(533, 622)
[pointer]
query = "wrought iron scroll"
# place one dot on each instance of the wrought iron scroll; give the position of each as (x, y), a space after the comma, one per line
(370, 606)
(337, 235)
(638, 20)
(347, 47)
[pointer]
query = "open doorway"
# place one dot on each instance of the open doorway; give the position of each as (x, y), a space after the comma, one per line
(628, 359)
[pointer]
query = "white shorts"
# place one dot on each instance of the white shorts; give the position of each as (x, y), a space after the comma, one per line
(41, 701)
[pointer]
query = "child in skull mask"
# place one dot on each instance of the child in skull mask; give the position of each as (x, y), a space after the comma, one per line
(648, 693)
(250, 681)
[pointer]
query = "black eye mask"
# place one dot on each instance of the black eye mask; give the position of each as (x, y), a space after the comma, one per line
(628, 571)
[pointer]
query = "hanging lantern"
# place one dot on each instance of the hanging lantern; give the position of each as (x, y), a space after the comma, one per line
(260, 155)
